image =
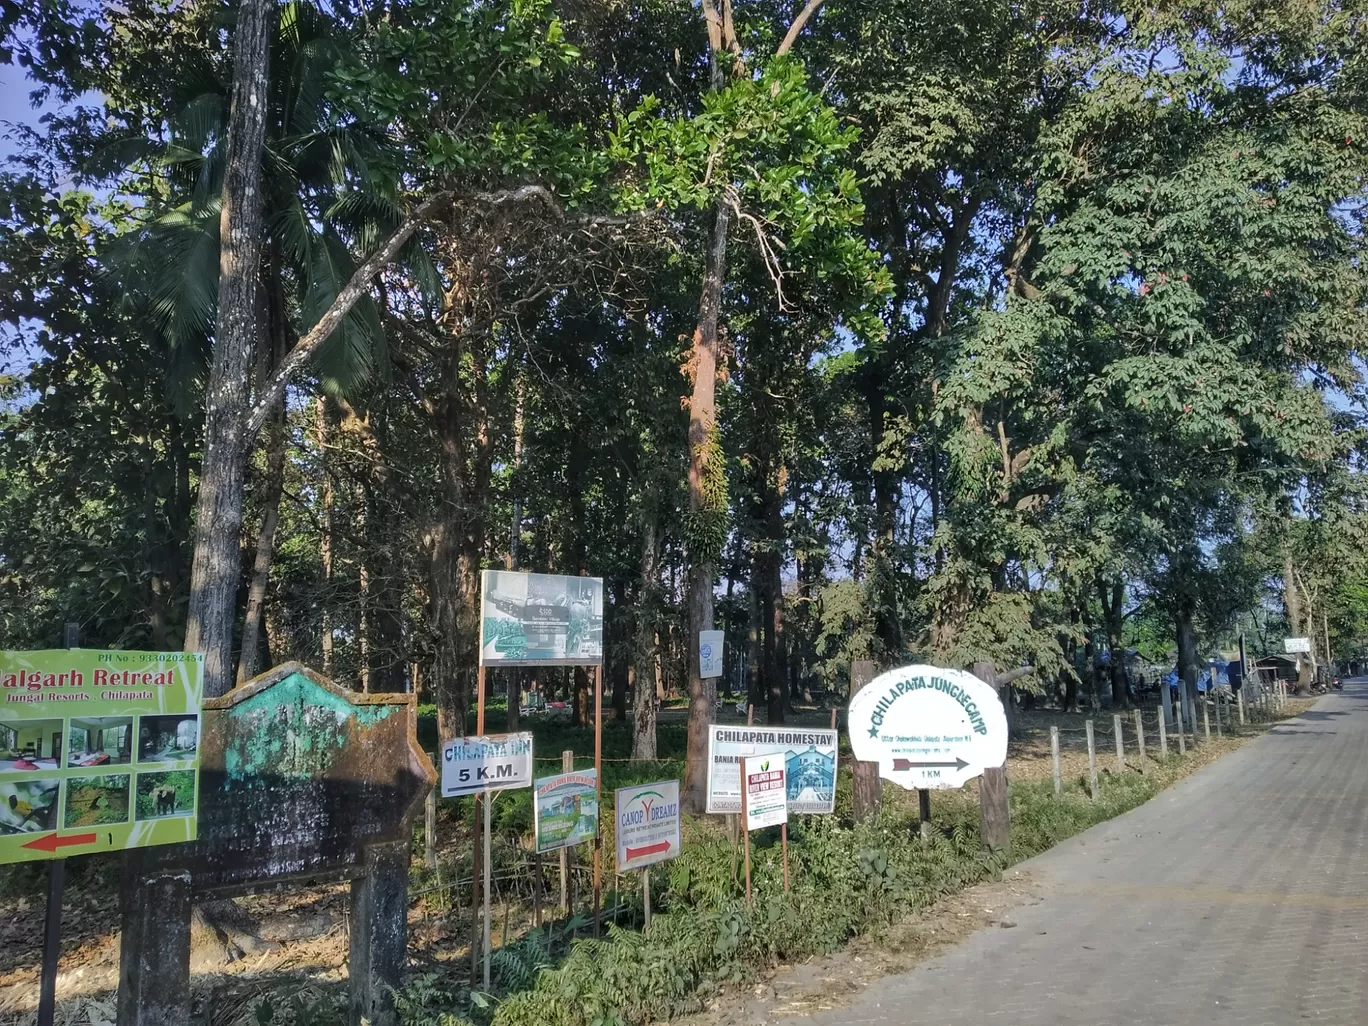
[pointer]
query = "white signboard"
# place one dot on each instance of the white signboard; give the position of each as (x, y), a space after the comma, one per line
(710, 653)
(647, 824)
(1291, 645)
(540, 619)
(927, 727)
(766, 791)
(809, 758)
(495, 762)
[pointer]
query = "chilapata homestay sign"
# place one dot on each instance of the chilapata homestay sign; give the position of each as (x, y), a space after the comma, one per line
(928, 727)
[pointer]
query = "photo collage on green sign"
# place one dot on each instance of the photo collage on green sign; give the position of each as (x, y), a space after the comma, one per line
(98, 750)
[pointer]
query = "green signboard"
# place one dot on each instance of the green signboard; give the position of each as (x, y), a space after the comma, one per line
(99, 751)
(565, 809)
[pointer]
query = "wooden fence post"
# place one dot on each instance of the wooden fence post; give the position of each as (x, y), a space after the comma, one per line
(995, 820)
(567, 766)
(430, 827)
(868, 788)
(1054, 759)
(1092, 760)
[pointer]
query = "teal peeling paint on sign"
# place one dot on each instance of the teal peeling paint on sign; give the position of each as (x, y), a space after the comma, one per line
(293, 730)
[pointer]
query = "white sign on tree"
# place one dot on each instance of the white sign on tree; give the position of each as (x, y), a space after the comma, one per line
(927, 727)
(710, 653)
(1295, 645)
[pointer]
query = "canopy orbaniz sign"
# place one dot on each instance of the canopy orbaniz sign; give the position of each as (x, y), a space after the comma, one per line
(927, 727)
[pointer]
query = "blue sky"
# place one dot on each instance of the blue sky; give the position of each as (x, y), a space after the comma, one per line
(14, 103)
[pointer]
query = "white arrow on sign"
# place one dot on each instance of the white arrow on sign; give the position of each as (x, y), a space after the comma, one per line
(928, 727)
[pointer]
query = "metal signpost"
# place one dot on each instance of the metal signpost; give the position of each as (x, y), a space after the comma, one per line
(543, 620)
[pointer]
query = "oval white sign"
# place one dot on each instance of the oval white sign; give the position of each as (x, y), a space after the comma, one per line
(928, 727)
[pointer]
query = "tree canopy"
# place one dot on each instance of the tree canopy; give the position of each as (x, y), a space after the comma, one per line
(945, 331)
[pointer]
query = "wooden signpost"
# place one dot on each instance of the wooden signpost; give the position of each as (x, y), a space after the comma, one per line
(301, 783)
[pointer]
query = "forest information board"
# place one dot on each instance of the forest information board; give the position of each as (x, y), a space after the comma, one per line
(99, 751)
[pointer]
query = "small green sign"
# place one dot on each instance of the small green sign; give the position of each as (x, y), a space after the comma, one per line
(566, 809)
(99, 751)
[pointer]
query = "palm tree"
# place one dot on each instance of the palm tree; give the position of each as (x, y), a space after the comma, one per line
(326, 202)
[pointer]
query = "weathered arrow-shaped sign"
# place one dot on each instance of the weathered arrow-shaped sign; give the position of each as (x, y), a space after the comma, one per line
(51, 842)
(907, 764)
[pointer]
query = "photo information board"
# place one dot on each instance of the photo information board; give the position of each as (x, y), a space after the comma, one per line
(540, 619)
(809, 759)
(99, 751)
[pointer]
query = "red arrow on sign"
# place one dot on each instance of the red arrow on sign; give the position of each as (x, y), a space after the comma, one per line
(650, 849)
(53, 841)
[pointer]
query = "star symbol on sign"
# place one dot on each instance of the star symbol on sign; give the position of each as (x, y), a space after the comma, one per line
(873, 731)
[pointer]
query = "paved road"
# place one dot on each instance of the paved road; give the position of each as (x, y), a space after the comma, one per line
(1238, 896)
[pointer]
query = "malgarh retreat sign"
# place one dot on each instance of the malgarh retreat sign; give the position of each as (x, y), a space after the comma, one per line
(99, 751)
(928, 728)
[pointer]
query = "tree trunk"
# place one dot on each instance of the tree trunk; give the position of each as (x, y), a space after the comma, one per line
(867, 786)
(261, 564)
(755, 636)
(618, 663)
(887, 627)
(444, 591)
(647, 656)
(1292, 599)
(325, 541)
(1187, 652)
(514, 697)
(707, 503)
(776, 656)
(1112, 597)
(1094, 670)
(215, 566)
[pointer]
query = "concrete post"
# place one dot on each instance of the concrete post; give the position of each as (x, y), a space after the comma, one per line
(1163, 736)
(1120, 743)
(1092, 760)
(1054, 759)
(1140, 737)
(154, 948)
(379, 936)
